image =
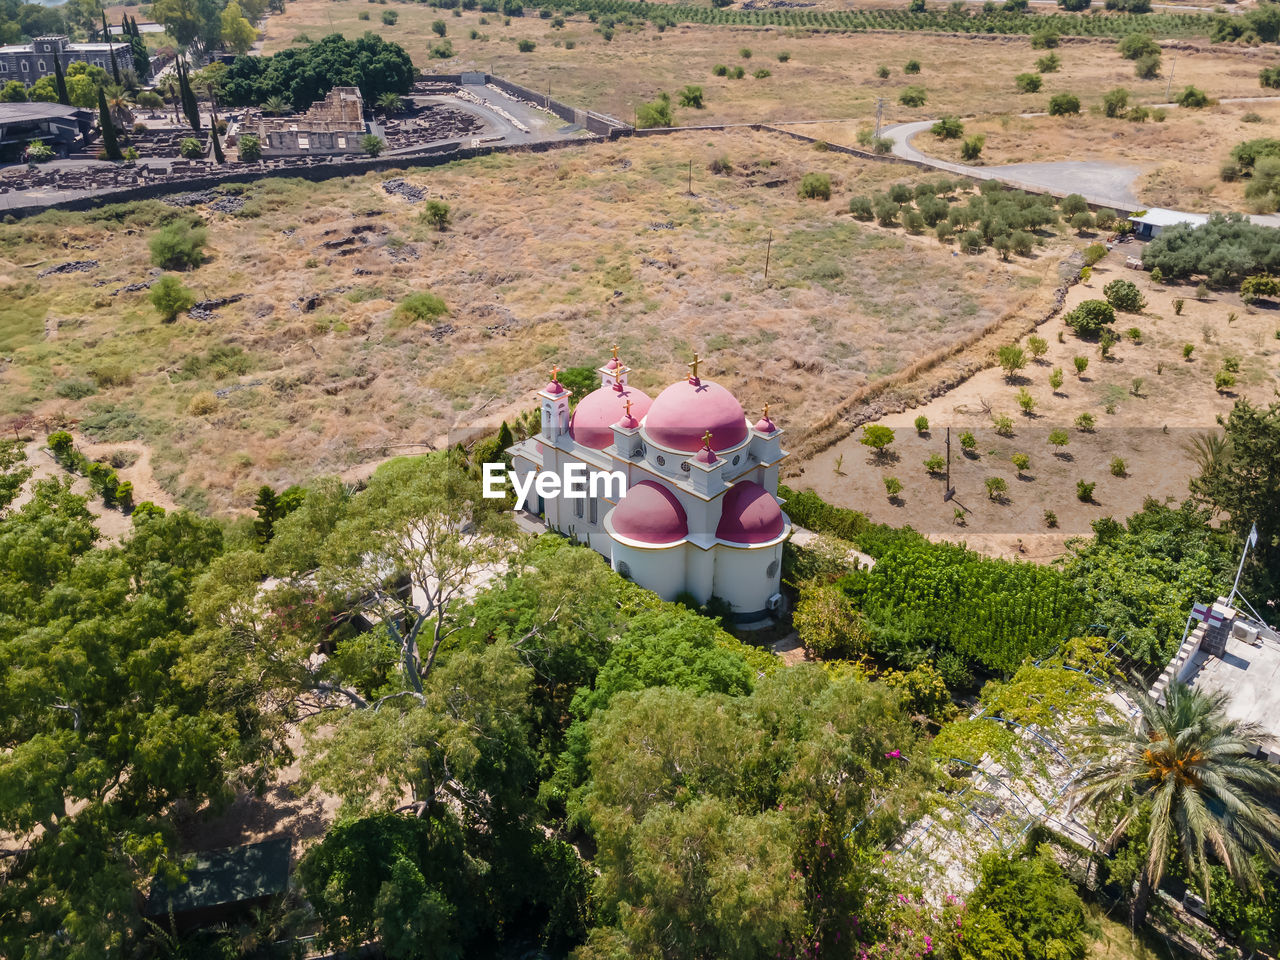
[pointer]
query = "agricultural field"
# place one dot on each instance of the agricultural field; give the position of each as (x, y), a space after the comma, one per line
(826, 76)
(550, 259)
(1147, 402)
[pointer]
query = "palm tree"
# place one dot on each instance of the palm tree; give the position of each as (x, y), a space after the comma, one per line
(1191, 769)
(1209, 450)
(390, 103)
(275, 106)
(118, 106)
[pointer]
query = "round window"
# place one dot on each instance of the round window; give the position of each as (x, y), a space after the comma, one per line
(736, 458)
(661, 460)
(685, 466)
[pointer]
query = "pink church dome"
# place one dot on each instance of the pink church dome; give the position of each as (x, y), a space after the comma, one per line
(749, 514)
(683, 412)
(650, 513)
(601, 409)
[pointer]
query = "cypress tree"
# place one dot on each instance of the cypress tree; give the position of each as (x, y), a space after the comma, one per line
(106, 34)
(217, 147)
(190, 106)
(115, 64)
(61, 82)
(109, 142)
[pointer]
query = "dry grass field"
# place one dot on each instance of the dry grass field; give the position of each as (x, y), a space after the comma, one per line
(1148, 402)
(828, 76)
(1179, 157)
(551, 258)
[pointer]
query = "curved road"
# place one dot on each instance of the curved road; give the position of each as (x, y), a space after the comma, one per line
(1102, 184)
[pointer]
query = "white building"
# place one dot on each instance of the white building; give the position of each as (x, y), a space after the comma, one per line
(1148, 224)
(701, 513)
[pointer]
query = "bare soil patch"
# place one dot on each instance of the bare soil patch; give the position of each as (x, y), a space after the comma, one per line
(1149, 429)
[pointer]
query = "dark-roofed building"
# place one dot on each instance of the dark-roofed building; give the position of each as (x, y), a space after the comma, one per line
(55, 124)
(222, 885)
(29, 62)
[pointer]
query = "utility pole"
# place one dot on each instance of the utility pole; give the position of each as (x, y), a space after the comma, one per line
(879, 114)
(767, 250)
(948, 490)
(1169, 86)
(691, 178)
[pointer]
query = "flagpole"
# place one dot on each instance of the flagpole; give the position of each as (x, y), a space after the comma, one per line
(1248, 541)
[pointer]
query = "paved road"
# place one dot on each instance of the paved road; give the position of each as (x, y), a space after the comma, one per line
(1103, 184)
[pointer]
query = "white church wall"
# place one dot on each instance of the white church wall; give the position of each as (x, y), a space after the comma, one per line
(742, 576)
(662, 571)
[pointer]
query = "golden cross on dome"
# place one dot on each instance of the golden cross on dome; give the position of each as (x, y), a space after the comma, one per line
(706, 439)
(555, 374)
(627, 406)
(694, 365)
(615, 351)
(766, 409)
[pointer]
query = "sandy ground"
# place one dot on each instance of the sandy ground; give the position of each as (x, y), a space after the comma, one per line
(1148, 430)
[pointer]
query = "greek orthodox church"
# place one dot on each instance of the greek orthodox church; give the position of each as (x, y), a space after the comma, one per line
(701, 513)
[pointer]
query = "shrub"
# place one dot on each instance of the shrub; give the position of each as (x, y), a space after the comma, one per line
(1187, 350)
(1259, 286)
(783, 56)
(1022, 243)
(922, 424)
(389, 17)
(1090, 318)
(900, 193)
(439, 28)
(1038, 346)
(1062, 104)
(911, 67)
(1026, 401)
(75, 388)
(1021, 462)
(372, 144)
(914, 222)
(745, 53)
(942, 231)
(882, 72)
(882, 145)
(893, 487)
(913, 97)
(1044, 40)
(1115, 101)
(1147, 67)
(1081, 364)
(970, 241)
(1084, 491)
(1124, 296)
(655, 113)
(1224, 380)
(60, 443)
(1055, 379)
(762, 74)
(249, 148)
(1118, 467)
(190, 148)
(1269, 77)
(1135, 45)
(887, 213)
(996, 487)
(1192, 97)
(362, 15)
(526, 46)
(935, 463)
(437, 214)
(1002, 425)
(720, 70)
(1028, 82)
(178, 246)
(948, 128)
(1049, 63)
(1074, 203)
(1105, 217)
(1050, 519)
(968, 441)
(203, 403)
(419, 307)
(815, 186)
(861, 208)
(1081, 222)
(1086, 422)
(1134, 334)
(972, 146)
(691, 96)
(1093, 253)
(170, 298)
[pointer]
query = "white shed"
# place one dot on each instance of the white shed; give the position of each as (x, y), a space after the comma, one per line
(1149, 223)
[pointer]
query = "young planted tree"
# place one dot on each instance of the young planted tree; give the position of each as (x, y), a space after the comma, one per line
(1012, 359)
(170, 298)
(1038, 346)
(1059, 438)
(1055, 379)
(878, 437)
(1188, 769)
